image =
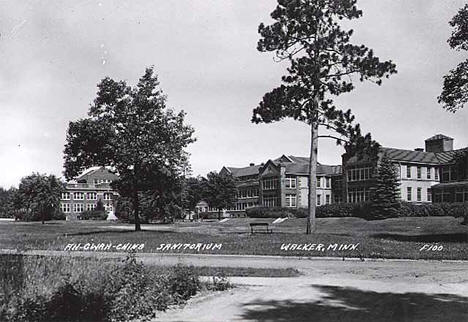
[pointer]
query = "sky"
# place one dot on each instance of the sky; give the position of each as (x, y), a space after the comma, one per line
(53, 53)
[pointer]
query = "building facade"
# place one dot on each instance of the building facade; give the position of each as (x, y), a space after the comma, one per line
(84, 192)
(282, 182)
(430, 174)
(424, 174)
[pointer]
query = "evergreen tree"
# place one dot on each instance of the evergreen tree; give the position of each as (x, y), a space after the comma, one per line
(308, 34)
(385, 195)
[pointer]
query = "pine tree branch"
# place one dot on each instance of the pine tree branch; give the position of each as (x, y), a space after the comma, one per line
(333, 137)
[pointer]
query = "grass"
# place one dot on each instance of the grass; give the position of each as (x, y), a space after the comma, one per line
(390, 238)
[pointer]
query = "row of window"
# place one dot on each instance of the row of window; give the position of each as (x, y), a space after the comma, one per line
(420, 170)
(247, 193)
(356, 195)
(291, 200)
(447, 196)
(81, 196)
(409, 194)
(290, 182)
(80, 207)
(270, 184)
(98, 181)
(359, 174)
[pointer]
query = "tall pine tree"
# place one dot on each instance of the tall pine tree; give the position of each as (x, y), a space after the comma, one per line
(307, 33)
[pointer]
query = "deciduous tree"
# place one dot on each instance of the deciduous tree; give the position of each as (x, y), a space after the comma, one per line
(322, 60)
(40, 195)
(131, 130)
(455, 88)
(219, 191)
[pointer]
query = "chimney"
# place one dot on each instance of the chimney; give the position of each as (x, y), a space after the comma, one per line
(439, 143)
(251, 164)
(419, 149)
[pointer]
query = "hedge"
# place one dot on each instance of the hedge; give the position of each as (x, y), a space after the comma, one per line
(363, 210)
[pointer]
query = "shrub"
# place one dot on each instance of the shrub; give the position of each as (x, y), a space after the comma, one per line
(263, 212)
(93, 215)
(365, 210)
(184, 283)
(64, 289)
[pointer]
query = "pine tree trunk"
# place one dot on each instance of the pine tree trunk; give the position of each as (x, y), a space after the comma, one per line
(136, 210)
(312, 177)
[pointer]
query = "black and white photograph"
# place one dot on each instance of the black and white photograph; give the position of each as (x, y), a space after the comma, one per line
(233, 160)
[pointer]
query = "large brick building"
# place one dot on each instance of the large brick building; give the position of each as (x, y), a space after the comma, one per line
(282, 182)
(425, 175)
(83, 193)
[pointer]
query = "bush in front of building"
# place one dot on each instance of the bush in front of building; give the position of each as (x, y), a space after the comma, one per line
(93, 215)
(409, 209)
(364, 210)
(264, 212)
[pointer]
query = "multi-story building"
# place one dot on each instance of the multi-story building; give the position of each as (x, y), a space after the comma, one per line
(419, 171)
(426, 175)
(282, 182)
(83, 193)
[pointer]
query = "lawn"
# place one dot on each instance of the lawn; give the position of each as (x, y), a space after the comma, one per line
(411, 238)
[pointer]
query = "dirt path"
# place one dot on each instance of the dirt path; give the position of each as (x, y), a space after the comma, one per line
(337, 291)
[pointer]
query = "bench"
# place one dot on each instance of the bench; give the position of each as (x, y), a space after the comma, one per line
(260, 225)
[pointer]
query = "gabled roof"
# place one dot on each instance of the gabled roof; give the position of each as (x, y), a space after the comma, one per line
(410, 156)
(293, 164)
(448, 156)
(439, 137)
(246, 171)
(87, 172)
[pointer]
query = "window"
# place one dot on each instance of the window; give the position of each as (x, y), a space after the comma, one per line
(65, 196)
(356, 195)
(90, 206)
(107, 196)
(408, 193)
(290, 200)
(436, 174)
(66, 208)
(318, 182)
(78, 195)
(445, 176)
(269, 201)
(419, 172)
(408, 171)
(78, 207)
(418, 194)
(327, 182)
(290, 182)
(318, 200)
(359, 174)
(429, 194)
(91, 195)
(429, 169)
(270, 184)
(327, 199)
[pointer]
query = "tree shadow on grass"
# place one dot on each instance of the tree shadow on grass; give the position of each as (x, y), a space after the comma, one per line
(428, 238)
(350, 304)
(117, 231)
